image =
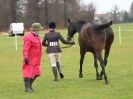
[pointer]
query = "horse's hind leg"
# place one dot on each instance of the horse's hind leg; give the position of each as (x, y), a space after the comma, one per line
(99, 55)
(82, 54)
(107, 50)
(96, 67)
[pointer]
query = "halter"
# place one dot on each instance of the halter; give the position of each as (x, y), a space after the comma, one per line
(70, 45)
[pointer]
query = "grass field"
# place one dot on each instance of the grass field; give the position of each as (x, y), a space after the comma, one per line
(119, 71)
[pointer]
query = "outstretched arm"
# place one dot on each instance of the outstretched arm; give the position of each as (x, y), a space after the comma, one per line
(65, 41)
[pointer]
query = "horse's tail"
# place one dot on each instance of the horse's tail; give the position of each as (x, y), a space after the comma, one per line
(102, 26)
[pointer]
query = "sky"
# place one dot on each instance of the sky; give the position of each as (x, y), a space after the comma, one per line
(103, 6)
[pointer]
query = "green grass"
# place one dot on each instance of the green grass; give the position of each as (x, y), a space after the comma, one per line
(119, 71)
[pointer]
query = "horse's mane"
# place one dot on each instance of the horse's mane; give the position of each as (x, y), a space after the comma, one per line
(81, 21)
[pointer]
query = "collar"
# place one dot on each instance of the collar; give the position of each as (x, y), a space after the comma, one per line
(52, 30)
(35, 34)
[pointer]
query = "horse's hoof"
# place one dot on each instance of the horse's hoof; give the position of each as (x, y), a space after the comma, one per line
(80, 76)
(106, 82)
(99, 78)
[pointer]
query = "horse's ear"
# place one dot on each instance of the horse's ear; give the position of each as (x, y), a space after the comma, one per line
(69, 20)
(111, 22)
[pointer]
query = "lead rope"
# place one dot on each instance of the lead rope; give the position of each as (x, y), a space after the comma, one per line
(68, 46)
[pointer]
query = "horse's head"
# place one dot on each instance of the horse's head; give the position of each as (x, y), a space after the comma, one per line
(71, 30)
(74, 27)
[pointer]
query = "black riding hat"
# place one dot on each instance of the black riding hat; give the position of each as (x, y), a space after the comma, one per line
(52, 25)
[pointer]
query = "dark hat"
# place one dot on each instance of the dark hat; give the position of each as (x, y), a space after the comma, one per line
(52, 25)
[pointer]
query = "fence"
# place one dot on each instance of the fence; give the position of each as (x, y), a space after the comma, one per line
(123, 36)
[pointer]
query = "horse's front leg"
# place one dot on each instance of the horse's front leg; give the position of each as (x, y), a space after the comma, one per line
(99, 55)
(82, 54)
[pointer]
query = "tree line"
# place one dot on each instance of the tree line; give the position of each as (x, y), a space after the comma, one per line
(43, 11)
(122, 16)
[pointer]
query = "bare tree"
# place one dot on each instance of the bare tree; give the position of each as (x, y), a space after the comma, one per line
(13, 10)
(131, 10)
(65, 12)
(115, 13)
(5, 17)
(46, 12)
(125, 16)
(56, 10)
(87, 12)
(32, 12)
(91, 12)
(43, 11)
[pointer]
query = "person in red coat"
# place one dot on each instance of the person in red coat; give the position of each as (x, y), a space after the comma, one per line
(32, 50)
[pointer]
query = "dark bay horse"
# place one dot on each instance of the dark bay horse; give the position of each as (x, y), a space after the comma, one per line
(93, 38)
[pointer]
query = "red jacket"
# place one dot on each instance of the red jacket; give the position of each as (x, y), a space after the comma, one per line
(32, 49)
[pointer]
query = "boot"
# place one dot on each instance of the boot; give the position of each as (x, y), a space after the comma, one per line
(55, 73)
(32, 80)
(59, 69)
(28, 85)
